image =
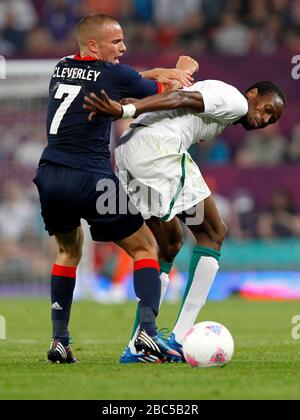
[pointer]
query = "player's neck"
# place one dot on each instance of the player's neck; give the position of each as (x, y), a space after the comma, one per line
(84, 53)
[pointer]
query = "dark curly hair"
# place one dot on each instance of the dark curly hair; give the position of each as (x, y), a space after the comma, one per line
(269, 87)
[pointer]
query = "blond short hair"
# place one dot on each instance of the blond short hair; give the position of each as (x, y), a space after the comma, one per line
(90, 25)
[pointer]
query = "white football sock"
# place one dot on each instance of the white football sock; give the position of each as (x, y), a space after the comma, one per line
(202, 281)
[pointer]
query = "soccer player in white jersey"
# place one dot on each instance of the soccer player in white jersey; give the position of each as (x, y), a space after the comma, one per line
(154, 153)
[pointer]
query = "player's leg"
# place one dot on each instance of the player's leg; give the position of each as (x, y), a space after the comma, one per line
(134, 159)
(63, 281)
(69, 247)
(203, 267)
(115, 218)
(61, 198)
(142, 247)
(169, 238)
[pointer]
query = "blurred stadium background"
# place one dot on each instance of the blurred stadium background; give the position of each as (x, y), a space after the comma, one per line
(254, 176)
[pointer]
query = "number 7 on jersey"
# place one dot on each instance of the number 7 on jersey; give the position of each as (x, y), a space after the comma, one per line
(72, 92)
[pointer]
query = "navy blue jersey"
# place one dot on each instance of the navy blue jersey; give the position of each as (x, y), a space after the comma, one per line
(73, 141)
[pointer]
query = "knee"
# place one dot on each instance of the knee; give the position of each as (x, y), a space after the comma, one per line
(215, 233)
(144, 249)
(220, 232)
(170, 250)
(151, 247)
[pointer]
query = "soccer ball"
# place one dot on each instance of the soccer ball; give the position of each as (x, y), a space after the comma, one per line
(208, 344)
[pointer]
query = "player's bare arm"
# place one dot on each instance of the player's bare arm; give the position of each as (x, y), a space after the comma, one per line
(186, 67)
(171, 100)
(164, 75)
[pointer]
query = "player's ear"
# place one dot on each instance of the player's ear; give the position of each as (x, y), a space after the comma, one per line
(251, 94)
(92, 45)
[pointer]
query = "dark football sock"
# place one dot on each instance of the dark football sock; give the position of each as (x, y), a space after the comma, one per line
(147, 288)
(62, 286)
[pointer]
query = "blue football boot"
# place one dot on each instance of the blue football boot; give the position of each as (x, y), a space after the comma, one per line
(175, 346)
(129, 357)
(156, 346)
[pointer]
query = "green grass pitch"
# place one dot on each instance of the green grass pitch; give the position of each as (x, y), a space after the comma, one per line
(266, 363)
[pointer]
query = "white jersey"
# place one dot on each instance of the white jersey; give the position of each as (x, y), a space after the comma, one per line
(152, 158)
(223, 103)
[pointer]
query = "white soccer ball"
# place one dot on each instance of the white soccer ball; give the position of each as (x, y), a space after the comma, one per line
(208, 344)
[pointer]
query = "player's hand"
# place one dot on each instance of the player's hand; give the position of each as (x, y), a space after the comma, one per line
(166, 76)
(187, 64)
(102, 105)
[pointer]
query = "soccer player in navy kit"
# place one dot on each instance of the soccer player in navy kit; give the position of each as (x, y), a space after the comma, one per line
(75, 160)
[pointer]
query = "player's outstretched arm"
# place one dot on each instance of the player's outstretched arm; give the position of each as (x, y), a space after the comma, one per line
(165, 101)
(169, 76)
(172, 79)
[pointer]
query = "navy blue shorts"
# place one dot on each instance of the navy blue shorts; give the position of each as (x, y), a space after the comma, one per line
(68, 195)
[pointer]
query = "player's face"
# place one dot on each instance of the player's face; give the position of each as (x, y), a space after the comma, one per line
(110, 43)
(263, 110)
